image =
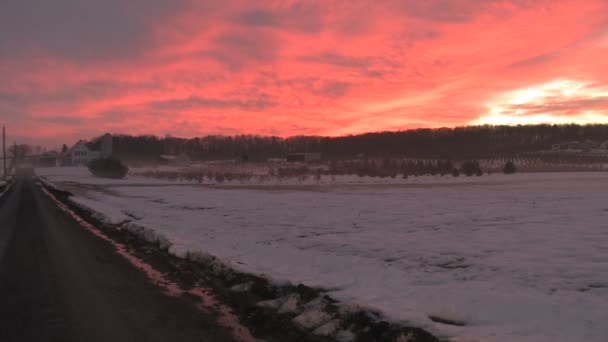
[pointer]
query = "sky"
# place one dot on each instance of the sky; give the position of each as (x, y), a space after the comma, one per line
(72, 69)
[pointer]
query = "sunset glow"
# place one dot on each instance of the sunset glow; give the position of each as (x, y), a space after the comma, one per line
(558, 102)
(188, 68)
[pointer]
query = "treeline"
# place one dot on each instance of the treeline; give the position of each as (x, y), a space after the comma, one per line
(461, 142)
(303, 172)
(393, 168)
(390, 167)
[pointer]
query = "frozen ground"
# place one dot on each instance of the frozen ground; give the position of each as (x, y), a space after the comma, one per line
(515, 258)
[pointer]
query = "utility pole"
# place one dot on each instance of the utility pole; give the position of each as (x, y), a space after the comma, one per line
(15, 158)
(4, 150)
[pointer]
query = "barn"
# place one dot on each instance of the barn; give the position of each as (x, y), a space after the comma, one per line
(303, 157)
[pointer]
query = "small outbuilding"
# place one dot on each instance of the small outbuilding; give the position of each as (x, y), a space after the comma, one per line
(303, 157)
(175, 160)
(48, 159)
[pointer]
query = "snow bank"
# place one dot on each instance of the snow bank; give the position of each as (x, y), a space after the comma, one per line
(505, 258)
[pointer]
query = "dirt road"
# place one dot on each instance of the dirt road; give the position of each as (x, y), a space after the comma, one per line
(58, 282)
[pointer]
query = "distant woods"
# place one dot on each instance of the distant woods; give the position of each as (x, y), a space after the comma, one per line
(458, 143)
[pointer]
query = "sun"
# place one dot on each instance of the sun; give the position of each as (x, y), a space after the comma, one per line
(531, 105)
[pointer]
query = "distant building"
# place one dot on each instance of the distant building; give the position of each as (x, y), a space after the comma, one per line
(48, 159)
(588, 145)
(79, 154)
(276, 160)
(175, 160)
(576, 145)
(83, 152)
(303, 157)
(570, 145)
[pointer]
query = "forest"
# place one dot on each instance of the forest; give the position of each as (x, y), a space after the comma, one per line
(459, 142)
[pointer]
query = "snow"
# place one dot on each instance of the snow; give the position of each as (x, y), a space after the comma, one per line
(81, 175)
(514, 258)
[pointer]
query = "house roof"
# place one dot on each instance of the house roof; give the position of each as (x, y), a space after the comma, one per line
(69, 150)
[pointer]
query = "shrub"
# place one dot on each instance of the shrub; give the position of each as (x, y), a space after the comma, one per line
(446, 167)
(108, 168)
(318, 175)
(471, 167)
(455, 172)
(509, 168)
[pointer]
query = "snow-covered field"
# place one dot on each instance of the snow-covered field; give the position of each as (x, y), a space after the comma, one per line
(515, 258)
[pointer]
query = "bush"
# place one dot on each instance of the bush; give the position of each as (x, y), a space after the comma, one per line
(509, 168)
(108, 168)
(471, 167)
(455, 172)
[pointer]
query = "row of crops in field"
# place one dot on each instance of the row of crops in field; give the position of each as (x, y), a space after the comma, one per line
(244, 172)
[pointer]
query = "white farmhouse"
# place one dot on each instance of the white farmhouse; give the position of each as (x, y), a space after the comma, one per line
(79, 154)
(83, 152)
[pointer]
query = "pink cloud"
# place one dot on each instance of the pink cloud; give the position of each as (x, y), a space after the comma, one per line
(292, 67)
